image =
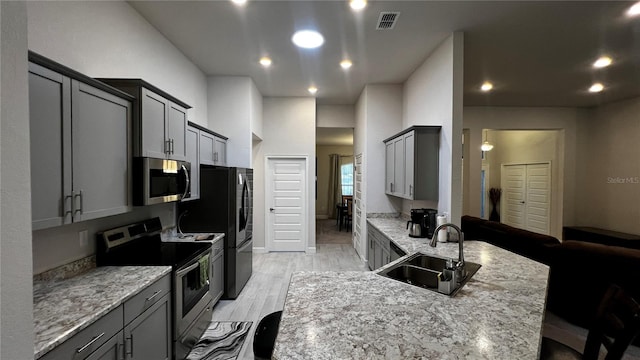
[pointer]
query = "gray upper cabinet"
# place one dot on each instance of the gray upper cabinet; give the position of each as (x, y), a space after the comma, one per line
(79, 133)
(159, 120)
(213, 149)
(193, 157)
(412, 158)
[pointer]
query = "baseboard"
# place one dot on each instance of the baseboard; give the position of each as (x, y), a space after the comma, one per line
(322, 217)
(259, 250)
(311, 250)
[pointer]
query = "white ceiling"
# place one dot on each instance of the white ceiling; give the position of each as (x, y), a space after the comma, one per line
(536, 53)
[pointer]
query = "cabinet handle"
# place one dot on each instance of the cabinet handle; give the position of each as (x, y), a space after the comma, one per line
(172, 147)
(167, 146)
(64, 205)
(410, 189)
(130, 338)
(81, 209)
(215, 156)
(95, 338)
(154, 295)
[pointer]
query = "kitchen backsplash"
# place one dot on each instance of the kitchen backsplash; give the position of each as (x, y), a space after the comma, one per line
(68, 270)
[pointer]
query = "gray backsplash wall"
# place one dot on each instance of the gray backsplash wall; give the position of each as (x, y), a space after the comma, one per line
(60, 245)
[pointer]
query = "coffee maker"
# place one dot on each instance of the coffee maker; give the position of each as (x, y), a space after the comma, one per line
(422, 223)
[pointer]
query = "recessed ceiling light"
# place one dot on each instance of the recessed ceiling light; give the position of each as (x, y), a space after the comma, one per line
(603, 61)
(486, 86)
(265, 61)
(307, 39)
(239, 2)
(346, 63)
(597, 87)
(634, 10)
(358, 4)
(313, 89)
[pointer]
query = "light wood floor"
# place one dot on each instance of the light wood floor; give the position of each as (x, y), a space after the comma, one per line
(266, 289)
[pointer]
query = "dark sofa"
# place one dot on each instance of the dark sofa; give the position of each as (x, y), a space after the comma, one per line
(580, 272)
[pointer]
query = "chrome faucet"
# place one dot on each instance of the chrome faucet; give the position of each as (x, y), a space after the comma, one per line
(434, 242)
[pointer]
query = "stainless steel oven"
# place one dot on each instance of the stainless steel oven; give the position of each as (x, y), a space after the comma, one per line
(192, 301)
(158, 181)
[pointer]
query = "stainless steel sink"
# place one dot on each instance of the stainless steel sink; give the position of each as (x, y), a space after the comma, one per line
(432, 273)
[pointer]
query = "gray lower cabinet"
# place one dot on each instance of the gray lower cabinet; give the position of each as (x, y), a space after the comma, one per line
(379, 250)
(217, 270)
(411, 164)
(78, 133)
(139, 329)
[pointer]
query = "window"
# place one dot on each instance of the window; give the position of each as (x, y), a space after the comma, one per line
(346, 178)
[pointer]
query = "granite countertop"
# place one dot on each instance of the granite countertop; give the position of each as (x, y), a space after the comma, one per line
(194, 237)
(62, 308)
(361, 315)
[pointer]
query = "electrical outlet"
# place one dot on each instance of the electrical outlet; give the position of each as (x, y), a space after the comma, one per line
(83, 238)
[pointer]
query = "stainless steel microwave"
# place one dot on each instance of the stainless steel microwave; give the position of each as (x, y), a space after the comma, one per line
(157, 181)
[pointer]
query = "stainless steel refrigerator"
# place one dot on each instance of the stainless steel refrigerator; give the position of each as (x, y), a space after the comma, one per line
(225, 205)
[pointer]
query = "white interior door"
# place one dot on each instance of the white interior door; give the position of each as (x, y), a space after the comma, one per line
(286, 189)
(513, 213)
(357, 202)
(527, 196)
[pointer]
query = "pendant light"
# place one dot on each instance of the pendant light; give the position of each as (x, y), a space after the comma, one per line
(486, 145)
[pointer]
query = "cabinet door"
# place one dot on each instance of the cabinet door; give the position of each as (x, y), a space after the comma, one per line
(101, 152)
(220, 156)
(370, 251)
(389, 166)
(193, 150)
(409, 151)
(378, 255)
(398, 166)
(111, 350)
(148, 337)
(50, 138)
(207, 148)
(217, 273)
(386, 257)
(177, 132)
(155, 110)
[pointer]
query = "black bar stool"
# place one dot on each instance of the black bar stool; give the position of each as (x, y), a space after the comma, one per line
(265, 336)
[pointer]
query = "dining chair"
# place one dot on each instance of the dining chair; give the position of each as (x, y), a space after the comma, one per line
(615, 326)
(348, 213)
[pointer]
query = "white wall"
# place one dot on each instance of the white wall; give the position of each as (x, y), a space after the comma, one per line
(384, 119)
(16, 293)
(608, 194)
(110, 39)
(530, 146)
(288, 124)
(336, 116)
(522, 118)
(433, 95)
(235, 106)
(322, 154)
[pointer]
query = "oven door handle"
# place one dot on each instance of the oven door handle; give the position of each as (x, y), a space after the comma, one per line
(182, 272)
(187, 181)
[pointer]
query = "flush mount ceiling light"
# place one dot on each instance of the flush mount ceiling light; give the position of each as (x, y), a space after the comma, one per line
(265, 61)
(486, 145)
(346, 64)
(312, 90)
(634, 10)
(358, 4)
(597, 87)
(602, 62)
(239, 2)
(486, 86)
(308, 39)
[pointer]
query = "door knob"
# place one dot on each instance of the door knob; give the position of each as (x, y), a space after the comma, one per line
(271, 209)
(521, 202)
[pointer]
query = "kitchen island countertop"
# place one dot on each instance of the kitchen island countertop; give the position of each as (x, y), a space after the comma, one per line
(361, 315)
(63, 308)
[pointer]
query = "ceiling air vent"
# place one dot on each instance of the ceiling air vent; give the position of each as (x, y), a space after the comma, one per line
(387, 20)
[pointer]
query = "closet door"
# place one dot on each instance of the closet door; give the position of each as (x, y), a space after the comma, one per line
(526, 201)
